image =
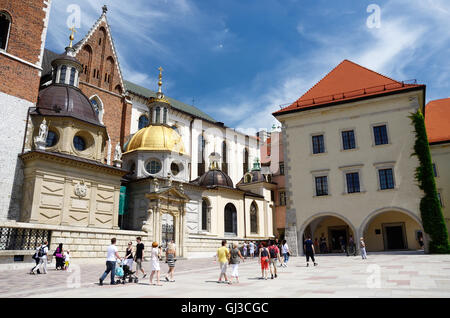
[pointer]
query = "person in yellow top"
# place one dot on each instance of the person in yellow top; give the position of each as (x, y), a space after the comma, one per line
(223, 255)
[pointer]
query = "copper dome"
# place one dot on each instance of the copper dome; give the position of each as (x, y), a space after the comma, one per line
(215, 178)
(66, 100)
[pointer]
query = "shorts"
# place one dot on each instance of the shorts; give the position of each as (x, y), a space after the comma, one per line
(273, 261)
(264, 262)
(223, 267)
(234, 270)
(138, 264)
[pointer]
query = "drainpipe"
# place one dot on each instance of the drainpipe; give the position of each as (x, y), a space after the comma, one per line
(190, 146)
(245, 223)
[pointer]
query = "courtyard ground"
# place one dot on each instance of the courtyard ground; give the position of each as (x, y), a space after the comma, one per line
(381, 275)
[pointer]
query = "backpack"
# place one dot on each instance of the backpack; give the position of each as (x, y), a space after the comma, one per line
(273, 252)
(41, 252)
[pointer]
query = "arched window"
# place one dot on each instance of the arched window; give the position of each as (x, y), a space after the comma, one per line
(157, 115)
(97, 104)
(201, 154)
(5, 26)
(248, 178)
(253, 218)
(143, 122)
(164, 115)
(62, 74)
(230, 219)
(224, 157)
(72, 76)
(245, 163)
(205, 215)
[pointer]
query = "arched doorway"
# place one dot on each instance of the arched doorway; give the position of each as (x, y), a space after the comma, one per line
(332, 232)
(230, 219)
(392, 230)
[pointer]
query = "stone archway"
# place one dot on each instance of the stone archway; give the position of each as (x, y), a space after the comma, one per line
(167, 203)
(392, 228)
(330, 226)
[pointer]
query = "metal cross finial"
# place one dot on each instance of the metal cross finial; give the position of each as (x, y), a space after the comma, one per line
(71, 35)
(104, 8)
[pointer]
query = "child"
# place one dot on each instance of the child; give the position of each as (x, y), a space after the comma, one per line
(362, 246)
(66, 259)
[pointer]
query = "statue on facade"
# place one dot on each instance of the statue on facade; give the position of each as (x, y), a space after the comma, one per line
(155, 185)
(118, 156)
(41, 139)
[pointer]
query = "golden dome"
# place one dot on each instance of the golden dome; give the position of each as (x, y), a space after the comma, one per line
(156, 138)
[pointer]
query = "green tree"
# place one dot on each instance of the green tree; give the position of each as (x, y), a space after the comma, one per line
(430, 207)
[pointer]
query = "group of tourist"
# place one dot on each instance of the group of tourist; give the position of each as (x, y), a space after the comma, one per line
(268, 253)
(138, 257)
(41, 258)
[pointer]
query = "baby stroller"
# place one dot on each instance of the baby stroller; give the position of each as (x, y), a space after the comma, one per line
(124, 273)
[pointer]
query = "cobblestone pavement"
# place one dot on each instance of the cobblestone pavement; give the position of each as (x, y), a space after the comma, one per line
(381, 275)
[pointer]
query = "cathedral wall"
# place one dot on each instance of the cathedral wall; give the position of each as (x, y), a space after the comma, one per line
(15, 111)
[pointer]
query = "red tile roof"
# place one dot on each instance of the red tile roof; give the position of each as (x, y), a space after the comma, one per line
(437, 120)
(346, 82)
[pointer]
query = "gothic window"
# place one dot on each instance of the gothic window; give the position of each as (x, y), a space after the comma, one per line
(97, 104)
(201, 154)
(62, 74)
(143, 122)
(5, 26)
(245, 164)
(205, 215)
(224, 157)
(72, 76)
(230, 219)
(253, 218)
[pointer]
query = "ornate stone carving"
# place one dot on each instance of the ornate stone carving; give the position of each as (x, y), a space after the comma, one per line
(80, 189)
(41, 140)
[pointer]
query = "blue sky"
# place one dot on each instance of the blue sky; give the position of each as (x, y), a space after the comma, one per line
(241, 59)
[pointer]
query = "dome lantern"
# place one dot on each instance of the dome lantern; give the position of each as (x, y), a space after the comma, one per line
(159, 106)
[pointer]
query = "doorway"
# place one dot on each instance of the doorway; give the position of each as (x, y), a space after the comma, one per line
(335, 234)
(394, 236)
(167, 230)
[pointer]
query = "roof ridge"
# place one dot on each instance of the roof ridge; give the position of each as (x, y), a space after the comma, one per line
(368, 69)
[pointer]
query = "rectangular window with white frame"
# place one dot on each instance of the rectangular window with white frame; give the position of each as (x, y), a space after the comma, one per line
(348, 139)
(318, 144)
(386, 178)
(321, 186)
(352, 178)
(380, 135)
(352, 182)
(386, 175)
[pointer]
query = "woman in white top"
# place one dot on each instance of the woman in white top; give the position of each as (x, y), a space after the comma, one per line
(155, 256)
(285, 252)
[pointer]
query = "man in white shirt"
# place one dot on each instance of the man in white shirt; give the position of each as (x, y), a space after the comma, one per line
(111, 257)
(42, 254)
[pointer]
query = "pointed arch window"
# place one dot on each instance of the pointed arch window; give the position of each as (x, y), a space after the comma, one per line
(97, 104)
(5, 27)
(224, 157)
(245, 164)
(201, 154)
(253, 218)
